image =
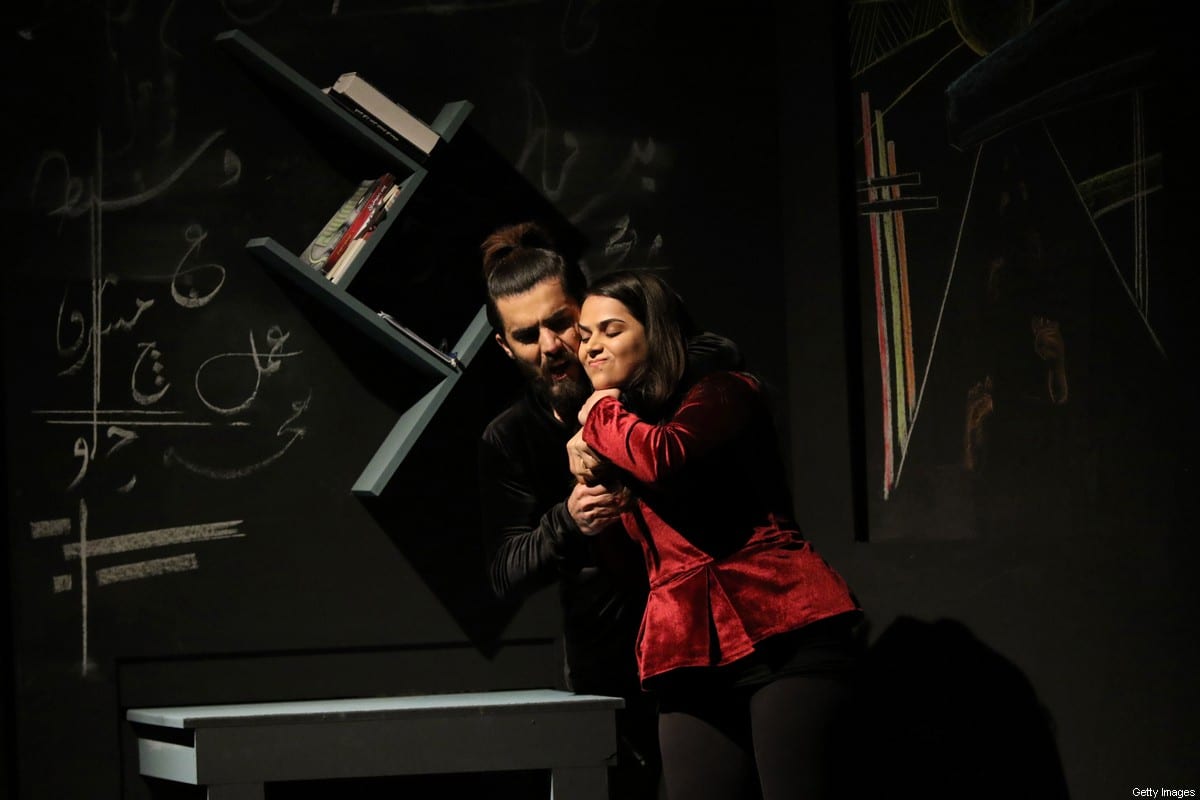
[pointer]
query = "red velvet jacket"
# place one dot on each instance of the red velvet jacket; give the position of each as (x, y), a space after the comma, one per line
(728, 566)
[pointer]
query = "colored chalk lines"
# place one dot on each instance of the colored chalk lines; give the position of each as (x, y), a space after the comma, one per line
(100, 325)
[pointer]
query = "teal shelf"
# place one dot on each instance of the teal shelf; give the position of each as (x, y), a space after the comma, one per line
(336, 297)
(412, 423)
(294, 85)
(347, 306)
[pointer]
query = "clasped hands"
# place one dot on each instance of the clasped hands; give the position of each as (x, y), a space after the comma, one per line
(584, 463)
(598, 497)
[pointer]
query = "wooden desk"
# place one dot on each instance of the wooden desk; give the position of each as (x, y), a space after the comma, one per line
(234, 749)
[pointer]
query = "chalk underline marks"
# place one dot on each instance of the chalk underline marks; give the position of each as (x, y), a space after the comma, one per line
(130, 418)
(161, 537)
(84, 548)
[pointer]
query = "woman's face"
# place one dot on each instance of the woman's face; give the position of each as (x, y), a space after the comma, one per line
(612, 343)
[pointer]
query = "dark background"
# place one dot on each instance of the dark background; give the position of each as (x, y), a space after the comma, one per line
(712, 143)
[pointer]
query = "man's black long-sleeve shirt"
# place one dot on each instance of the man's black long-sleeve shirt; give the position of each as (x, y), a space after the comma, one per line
(533, 542)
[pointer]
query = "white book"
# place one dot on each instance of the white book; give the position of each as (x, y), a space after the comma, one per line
(343, 263)
(355, 93)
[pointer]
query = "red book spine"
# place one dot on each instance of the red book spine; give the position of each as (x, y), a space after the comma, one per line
(362, 219)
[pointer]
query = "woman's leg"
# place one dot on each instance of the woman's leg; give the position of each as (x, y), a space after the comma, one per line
(706, 751)
(795, 723)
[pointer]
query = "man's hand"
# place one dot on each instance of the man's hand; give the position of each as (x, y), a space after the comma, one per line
(597, 395)
(582, 460)
(596, 507)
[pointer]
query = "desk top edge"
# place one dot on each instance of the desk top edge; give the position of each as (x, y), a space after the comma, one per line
(365, 708)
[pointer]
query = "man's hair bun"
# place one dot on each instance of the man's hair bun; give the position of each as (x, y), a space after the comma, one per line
(505, 241)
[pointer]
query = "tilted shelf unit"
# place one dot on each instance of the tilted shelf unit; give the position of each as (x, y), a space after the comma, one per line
(449, 120)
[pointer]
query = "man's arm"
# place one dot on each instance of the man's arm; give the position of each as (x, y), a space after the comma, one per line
(711, 352)
(528, 550)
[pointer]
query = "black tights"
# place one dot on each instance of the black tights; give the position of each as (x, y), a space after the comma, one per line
(779, 736)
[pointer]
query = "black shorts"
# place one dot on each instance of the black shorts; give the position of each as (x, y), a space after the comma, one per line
(827, 647)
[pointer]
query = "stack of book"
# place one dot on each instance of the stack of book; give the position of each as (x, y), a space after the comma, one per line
(338, 243)
(392, 120)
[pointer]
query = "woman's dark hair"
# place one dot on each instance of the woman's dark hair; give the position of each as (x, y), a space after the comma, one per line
(518, 257)
(661, 311)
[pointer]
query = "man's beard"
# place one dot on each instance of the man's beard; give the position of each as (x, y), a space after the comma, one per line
(565, 396)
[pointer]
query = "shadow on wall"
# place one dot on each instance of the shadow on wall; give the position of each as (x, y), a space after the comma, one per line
(940, 714)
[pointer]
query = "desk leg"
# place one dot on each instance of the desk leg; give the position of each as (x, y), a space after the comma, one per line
(235, 791)
(579, 783)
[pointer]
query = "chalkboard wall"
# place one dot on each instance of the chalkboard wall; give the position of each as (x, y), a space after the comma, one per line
(199, 422)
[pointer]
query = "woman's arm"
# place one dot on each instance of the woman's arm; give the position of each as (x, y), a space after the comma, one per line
(713, 411)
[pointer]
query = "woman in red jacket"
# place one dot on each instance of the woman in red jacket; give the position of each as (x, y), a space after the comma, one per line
(747, 638)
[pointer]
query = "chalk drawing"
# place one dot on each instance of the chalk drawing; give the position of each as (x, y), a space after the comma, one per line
(133, 418)
(269, 364)
(141, 398)
(84, 550)
(80, 332)
(579, 29)
(147, 569)
(162, 537)
(43, 529)
(172, 456)
(639, 155)
(437, 8)
(104, 319)
(536, 134)
(80, 451)
(76, 201)
(243, 12)
(83, 586)
(195, 236)
(561, 173)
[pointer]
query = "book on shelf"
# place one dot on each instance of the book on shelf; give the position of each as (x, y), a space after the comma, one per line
(366, 214)
(394, 121)
(351, 252)
(337, 270)
(316, 255)
(450, 359)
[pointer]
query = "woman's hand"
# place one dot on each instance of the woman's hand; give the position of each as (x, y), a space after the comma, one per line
(596, 397)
